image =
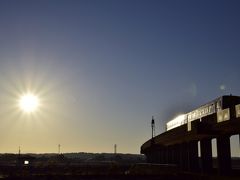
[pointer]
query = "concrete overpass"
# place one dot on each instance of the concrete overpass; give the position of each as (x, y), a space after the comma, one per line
(180, 145)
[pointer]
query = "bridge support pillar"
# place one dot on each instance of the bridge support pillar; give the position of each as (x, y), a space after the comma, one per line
(151, 156)
(239, 140)
(206, 155)
(193, 156)
(224, 155)
(161, 155)
(170, 154)
(148, 156)
(177, 154)
(165, 155)
(155, 156)
(184, 156)
(157, 159)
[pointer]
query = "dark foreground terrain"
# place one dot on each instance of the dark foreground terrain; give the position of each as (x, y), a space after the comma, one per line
(111, 171)
(97, 166)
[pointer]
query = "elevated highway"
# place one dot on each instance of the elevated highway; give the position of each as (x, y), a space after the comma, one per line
(180, 145)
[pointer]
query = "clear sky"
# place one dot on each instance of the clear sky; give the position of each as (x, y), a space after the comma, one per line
(102, 68)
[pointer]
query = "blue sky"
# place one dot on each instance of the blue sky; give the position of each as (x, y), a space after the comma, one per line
(103, 68)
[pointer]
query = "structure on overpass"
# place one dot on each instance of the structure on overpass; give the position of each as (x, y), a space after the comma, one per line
(179, 145)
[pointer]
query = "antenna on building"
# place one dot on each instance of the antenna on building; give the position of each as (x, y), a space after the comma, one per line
(115, 148)
(59, 148)
(153, 127)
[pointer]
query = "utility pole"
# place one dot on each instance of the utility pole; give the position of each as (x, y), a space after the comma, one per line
(19, 151)
(59, 148)
(153, 127)
(115, 149)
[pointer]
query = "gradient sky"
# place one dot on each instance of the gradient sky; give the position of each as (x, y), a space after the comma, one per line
(103, 68)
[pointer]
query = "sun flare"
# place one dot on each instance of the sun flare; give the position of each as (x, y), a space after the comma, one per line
(28, 102)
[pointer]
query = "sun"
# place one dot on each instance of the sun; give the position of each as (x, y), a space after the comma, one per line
(28, 102)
